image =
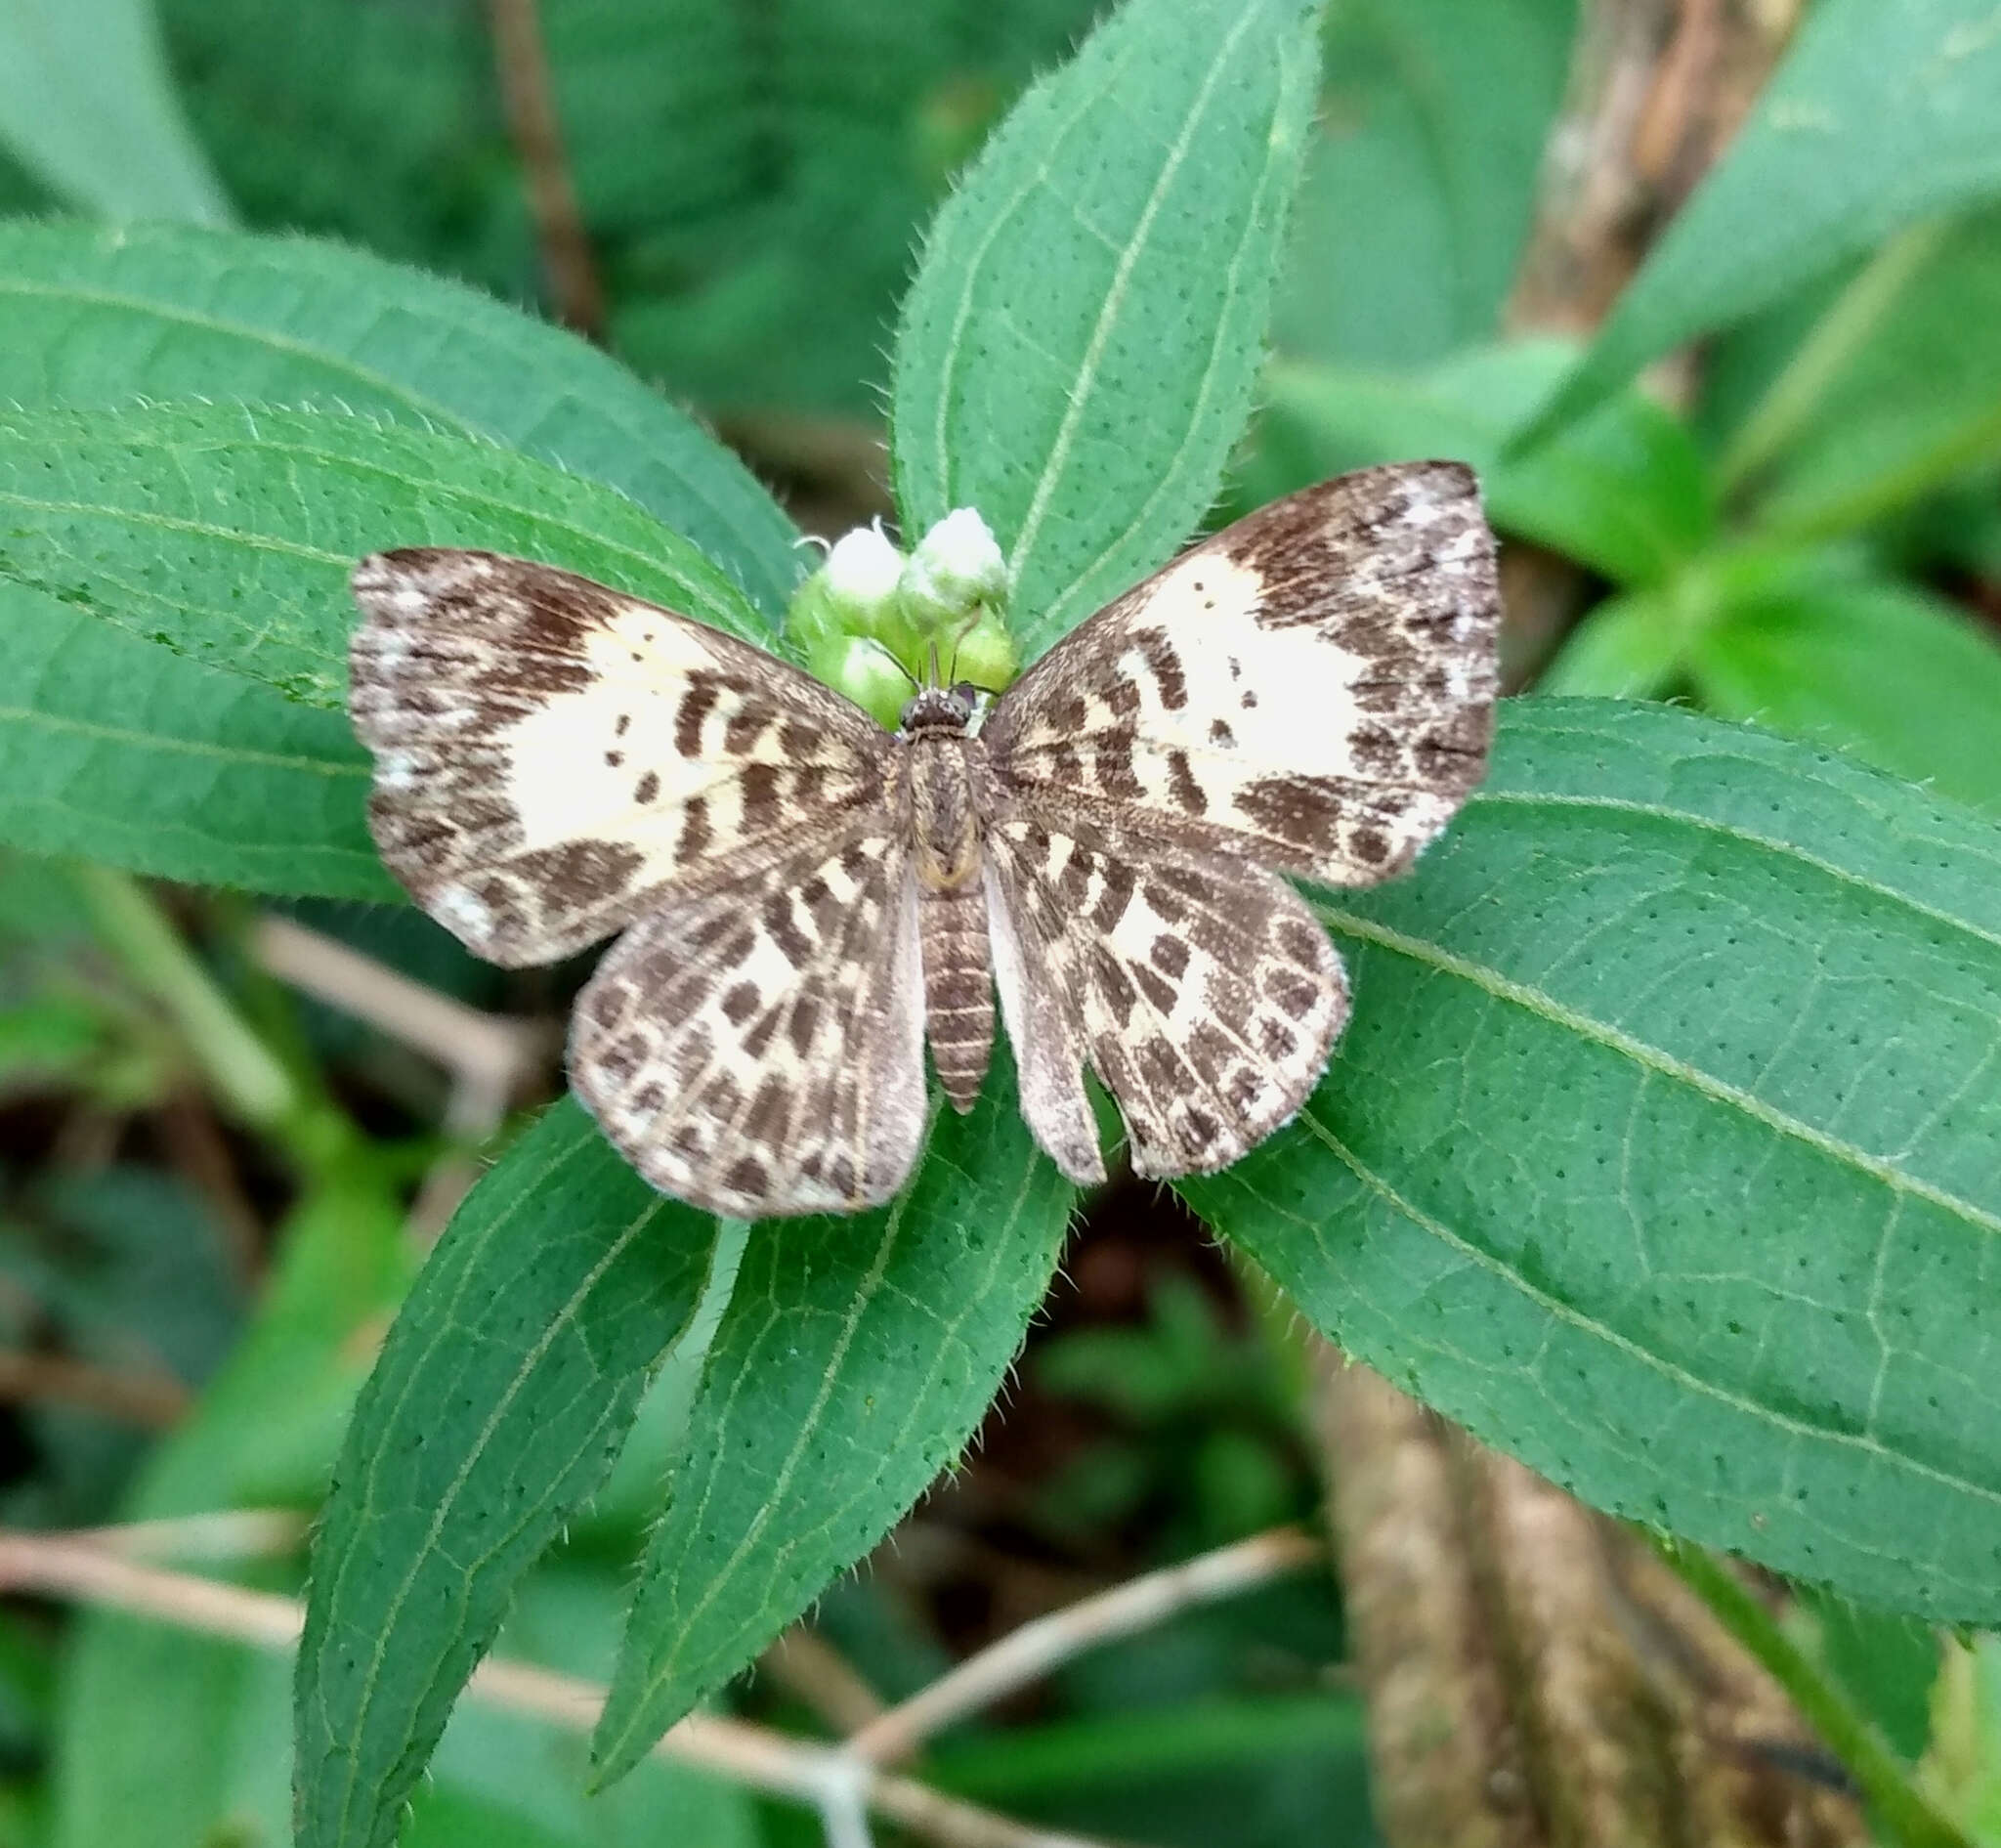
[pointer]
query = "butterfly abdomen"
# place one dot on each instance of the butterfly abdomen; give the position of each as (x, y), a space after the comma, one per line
(958, 988)
(952, 913)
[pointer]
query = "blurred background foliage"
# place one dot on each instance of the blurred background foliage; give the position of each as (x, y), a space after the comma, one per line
(1810, 538)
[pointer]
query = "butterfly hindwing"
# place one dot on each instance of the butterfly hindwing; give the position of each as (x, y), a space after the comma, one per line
(759, 1051)
(1201, 992)
(1312, 688)
(553, 757)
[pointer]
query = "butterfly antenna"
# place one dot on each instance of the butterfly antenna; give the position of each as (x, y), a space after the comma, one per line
(888, 654)
(958, 636)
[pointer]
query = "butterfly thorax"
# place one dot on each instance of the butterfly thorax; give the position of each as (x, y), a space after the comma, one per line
(944, 765)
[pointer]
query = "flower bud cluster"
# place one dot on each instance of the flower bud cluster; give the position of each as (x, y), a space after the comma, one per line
(872, 622)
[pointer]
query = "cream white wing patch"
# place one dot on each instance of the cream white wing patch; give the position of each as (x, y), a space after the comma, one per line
(1313, 687)
(552, 756)
(759, 1050)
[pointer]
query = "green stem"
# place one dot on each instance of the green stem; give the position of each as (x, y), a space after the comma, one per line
(1789, 400)
(249, 1078)
(1899, 1808)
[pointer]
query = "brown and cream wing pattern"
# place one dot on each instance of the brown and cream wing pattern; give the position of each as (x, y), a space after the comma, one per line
(553, 757)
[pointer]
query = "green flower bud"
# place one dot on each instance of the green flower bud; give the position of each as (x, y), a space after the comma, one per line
(956, 572)
(858, 668)
(853, 593)
(986, 656)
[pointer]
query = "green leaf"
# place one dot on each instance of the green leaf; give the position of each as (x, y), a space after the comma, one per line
(1420, 188)
(1627, 648)
(118, 751)
(1623, 490)
(134, 1770)
(1901, 677)
(87, 104)
(1880, 115)
(1079, 350)
(1886, 1666)
(91, 318)
(504, 1779)
(795, 202)
(855, 1360)
(227, 532)
(1664, 1148)
(121, 751)
(1891, 401)
(500, 1400)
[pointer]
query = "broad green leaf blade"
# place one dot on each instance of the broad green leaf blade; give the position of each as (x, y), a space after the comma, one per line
(134, 1771)
(1902, 679)
(1882, 114)
(90, 318)
(855, 1360)
(227, 532)
(1892, 409)
(1079, 350)
(499, 1404)
(115, 749)
(86, 103)
(1420, 183)
(1664, 1149)
(1623, 490)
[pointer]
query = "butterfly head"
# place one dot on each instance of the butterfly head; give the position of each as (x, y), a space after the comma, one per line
(940, 709)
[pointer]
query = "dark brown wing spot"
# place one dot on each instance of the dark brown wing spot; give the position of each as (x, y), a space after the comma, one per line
(771, 1113)
(746, 1177)
(1160, 993)
(1166, 667)
(1169, 956)
(799, 1029)
(695, 706)
(1291, 991)
(739, 1004)
(760, 784)
(1182, 785)
(648, 787)
(1220, 734)
(1303, 810)
(745, 726)
(785, 930)
(1117, 893)
(696, 833)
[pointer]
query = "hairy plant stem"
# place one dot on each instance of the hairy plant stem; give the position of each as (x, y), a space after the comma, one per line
(1899, 1808)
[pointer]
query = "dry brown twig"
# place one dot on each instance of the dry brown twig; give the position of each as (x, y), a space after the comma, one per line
(1534, 1677)
(841, 1783)
(529, 94)
(152, 1401)
(1030, 1653)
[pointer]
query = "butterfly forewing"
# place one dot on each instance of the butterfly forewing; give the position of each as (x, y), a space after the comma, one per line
(553, 757)
(1312, 688)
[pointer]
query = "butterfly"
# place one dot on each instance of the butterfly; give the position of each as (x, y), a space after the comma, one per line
(806, 898)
